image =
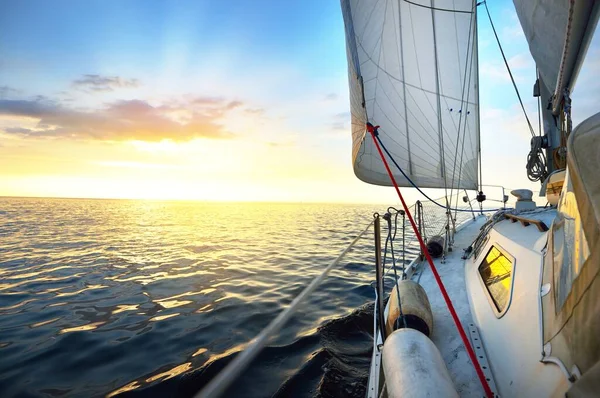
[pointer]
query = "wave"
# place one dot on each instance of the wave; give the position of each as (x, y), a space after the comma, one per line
(331, 362)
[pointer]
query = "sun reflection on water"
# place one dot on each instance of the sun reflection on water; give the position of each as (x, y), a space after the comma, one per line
(102, 278)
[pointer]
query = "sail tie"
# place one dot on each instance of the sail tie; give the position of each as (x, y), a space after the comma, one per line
(488, 392)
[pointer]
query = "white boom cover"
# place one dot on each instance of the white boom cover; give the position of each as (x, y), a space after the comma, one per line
(412, 69)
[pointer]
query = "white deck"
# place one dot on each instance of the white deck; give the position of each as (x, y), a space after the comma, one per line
(445, 335)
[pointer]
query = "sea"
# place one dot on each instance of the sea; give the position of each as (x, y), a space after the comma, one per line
(103, 298)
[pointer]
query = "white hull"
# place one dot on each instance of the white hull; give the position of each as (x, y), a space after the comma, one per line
(509, 344)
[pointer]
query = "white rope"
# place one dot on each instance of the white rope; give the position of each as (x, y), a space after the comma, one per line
(219, 384)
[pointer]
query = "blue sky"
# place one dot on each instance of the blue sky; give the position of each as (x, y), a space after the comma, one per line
(264, 81)
(146, 39)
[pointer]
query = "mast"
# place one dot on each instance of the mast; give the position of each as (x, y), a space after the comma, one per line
(439, 107)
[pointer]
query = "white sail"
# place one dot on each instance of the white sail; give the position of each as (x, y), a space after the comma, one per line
(558, 33)
(413, 71)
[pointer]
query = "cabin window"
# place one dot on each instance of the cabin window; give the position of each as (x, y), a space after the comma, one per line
(496, 271)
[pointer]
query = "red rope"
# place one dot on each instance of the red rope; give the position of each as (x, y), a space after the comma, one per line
(461, 331)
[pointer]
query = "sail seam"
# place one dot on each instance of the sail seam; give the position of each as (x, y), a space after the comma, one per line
(426, 131)
(369, 59)
(437, 8)
(411, 96)
(401, 60)
(418, 146)
(396, 109)
(439, 114)
(419, 74)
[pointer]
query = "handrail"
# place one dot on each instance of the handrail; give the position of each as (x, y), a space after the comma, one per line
(541, 226)
(219, 384)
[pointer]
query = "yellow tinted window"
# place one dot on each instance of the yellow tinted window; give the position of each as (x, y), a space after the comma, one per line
(496, 272)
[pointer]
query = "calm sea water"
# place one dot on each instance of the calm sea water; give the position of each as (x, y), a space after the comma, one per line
(150, 298)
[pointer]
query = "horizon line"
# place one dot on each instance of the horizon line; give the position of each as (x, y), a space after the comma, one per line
(189, 200)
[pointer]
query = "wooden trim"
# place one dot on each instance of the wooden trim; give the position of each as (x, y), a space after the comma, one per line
(541, 226)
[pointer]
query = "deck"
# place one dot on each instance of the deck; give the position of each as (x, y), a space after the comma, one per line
(445, 335)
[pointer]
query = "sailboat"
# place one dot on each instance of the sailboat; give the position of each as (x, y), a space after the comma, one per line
(517, 312)
(500, 300)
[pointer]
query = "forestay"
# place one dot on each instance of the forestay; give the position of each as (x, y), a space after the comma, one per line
(412, 69)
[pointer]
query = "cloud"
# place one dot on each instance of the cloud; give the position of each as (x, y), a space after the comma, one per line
(181, 120)
(98, 83)
(331, 97)
(341, 122)
(521, 61)
(513, 31)
(255, 111)
(520, 64)
(6, 91)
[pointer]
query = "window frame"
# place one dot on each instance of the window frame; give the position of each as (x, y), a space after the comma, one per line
(482, 246)
(499, 314)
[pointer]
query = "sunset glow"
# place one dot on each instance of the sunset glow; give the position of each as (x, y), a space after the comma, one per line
(204, 101)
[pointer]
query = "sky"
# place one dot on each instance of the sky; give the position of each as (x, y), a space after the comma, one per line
(217, 100)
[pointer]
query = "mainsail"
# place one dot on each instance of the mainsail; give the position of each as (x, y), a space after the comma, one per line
(412, 69)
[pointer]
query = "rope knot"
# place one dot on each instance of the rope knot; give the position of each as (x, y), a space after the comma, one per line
(372, 129)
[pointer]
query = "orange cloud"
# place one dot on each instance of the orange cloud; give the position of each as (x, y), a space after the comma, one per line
(123, 120)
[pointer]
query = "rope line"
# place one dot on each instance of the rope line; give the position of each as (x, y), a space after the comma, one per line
(445, 295)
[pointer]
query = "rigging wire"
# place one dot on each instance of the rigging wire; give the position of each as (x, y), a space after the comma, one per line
(415, 185)
(475, 54)
(508, 69)
(536, 161)
(469, 65)
(390, 240)
(469, 48)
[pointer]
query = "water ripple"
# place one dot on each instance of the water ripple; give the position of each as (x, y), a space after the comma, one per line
(101, 297)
